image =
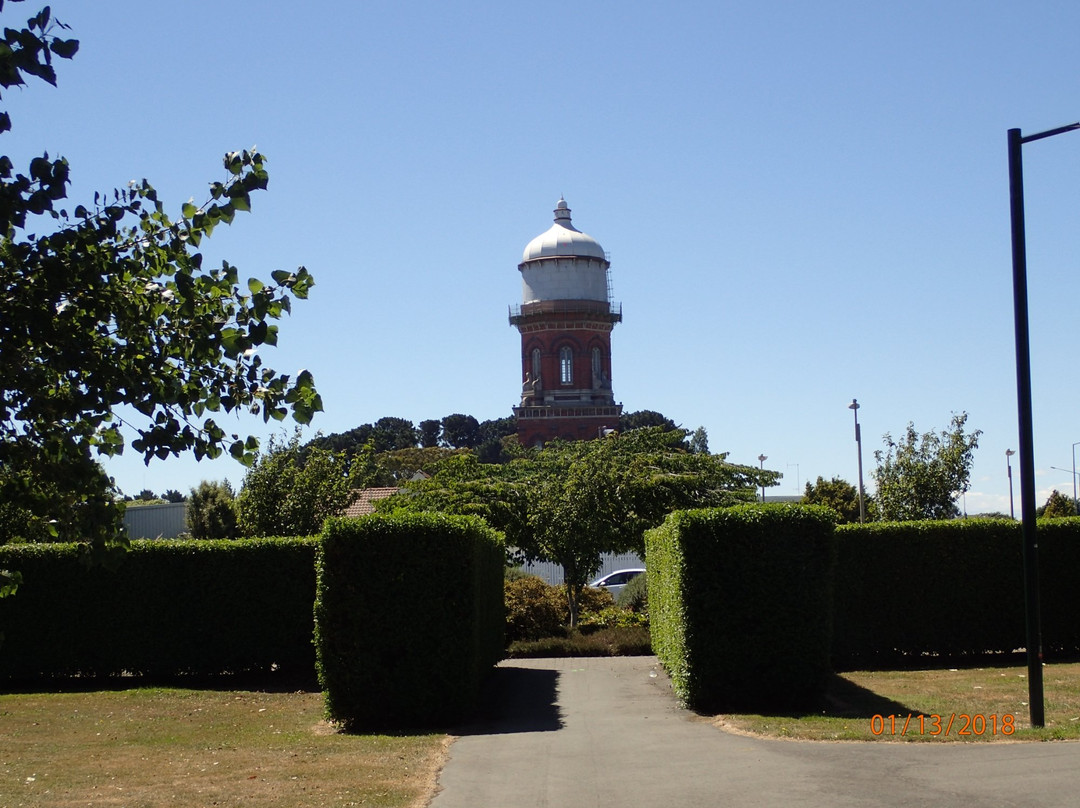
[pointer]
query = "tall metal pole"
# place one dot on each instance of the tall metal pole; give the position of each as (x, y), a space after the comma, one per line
(1033, 628)
(854, 405)
(761, 459)
(1008, 466)
(1075, 509)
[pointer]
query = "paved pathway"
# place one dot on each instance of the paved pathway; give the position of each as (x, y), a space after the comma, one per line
(572, 733)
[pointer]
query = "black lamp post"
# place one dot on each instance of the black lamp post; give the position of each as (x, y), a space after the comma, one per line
(854, 406)
(1008, 467)
(1033, 626)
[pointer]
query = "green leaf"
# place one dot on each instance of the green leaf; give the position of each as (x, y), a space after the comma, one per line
(233, 342)
(64, 48)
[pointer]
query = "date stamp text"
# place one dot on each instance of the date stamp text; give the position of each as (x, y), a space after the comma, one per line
(962, 724)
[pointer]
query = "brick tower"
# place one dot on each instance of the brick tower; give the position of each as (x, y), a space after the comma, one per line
(565, 319)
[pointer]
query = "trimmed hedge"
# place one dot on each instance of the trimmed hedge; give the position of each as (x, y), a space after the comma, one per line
(740, 604)
(1059, 569)
(910, 592)
(408, 617)
(169, 608)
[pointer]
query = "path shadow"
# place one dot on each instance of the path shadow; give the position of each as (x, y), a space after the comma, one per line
(515, 700)
(841, 699)
(845, 699)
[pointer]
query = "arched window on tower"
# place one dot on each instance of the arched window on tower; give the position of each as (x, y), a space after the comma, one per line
(597, 367)
(566, 365)
(536, 366)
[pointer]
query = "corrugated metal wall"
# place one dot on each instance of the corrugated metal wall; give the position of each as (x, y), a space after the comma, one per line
(553, 573)
(156, 521)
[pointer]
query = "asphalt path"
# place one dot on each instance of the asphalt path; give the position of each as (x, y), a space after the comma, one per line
(609, 732)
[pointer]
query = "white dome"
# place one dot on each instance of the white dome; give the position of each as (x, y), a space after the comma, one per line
(563, 239)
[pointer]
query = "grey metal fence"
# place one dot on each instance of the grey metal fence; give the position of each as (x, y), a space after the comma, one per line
(165, 521)
(553, 573)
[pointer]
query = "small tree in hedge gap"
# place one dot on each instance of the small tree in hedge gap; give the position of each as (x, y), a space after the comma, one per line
(291, 490)
(211, 511)
(921, 476)
(1057, 506)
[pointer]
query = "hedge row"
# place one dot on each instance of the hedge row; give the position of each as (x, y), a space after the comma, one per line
(409, 617)
(169, 608)
(740, 604)
(912, 591)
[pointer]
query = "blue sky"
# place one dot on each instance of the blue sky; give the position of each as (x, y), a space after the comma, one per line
(804, 203)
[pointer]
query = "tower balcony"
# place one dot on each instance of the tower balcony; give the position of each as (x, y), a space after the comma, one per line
(531, 412)
(601, 310)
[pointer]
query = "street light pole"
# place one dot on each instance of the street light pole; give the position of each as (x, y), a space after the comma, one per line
(1008, 465)
(761, 459)
(854, 405)
(1033, 628)
(1075, 510)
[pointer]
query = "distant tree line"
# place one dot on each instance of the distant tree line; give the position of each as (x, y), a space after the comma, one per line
(293, 486)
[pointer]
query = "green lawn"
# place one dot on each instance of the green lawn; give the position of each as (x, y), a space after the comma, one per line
(965, 705)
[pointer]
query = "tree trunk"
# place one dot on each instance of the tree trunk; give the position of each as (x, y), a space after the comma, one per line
(572, 590)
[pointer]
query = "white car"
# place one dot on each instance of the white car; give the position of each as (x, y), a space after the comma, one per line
(614, 582)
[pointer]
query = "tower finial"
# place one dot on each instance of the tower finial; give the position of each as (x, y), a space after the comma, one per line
(562, 212)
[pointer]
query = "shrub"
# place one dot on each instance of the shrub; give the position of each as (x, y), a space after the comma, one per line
(613, 617)
(590, 600)
(536, 609)
(908, 592)
(635, 595)
(408, 617)
(615, 641)
(167, 608)
(740, 604)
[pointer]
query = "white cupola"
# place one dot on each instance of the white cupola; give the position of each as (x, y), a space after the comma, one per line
(563, 263)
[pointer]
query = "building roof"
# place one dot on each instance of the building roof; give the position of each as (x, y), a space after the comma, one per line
(563, 240)
(365, 503)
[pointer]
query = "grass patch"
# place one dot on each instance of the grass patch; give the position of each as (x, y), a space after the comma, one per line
(614, 641)
(157, 747)
(983, 704)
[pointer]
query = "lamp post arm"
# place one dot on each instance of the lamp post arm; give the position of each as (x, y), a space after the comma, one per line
(1069, 127)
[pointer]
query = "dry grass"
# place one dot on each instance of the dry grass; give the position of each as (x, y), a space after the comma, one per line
(984, 705)
(166, 747)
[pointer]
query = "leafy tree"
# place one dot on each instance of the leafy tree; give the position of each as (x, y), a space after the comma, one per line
(401, 464)
(211, 511)
(460, 431)
(146, 495)
(40, 478)
(429, 433)
(492, 446)
(174, 496)
(838, 494)
(111, 320)
(351, 443)
(920, 476)
(645, 418)
(497, 428)
(699, 441)
(572, 502)
(291, 491)
(1057, 505)
(394, 433)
